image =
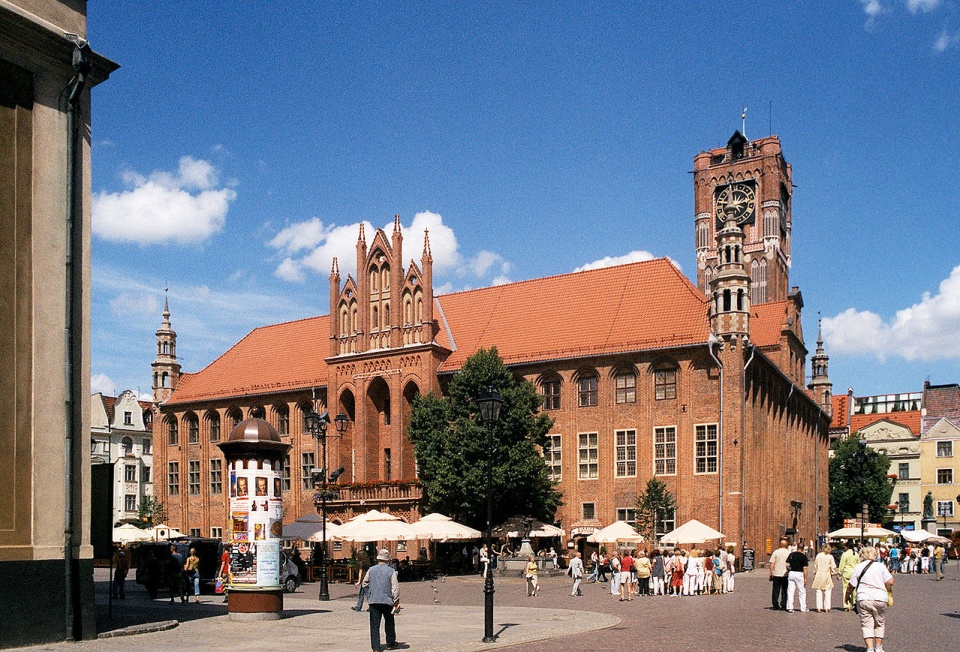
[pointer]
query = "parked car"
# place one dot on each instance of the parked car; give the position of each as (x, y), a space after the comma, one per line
(289, 574)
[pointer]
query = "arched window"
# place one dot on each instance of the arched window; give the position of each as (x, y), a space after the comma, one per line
(740, 300)
(173, 432)
(126, 446)
(385, 278)
(235, 417)
(375, 319)
(213, 419)
(407, 309)
(626, 382)
(353, 318)
(283, 419)
(726, 301)
(665, 383)
(588, 388)
(344, 321)
(166, 380)
(193, 429)
(386, 315)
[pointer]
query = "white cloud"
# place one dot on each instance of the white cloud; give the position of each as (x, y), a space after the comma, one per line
(926, 331)
(131, 303)
(632, 257)
(102, 383)
(182, 208)
(317, 244)
(924, 6)
(872, 8)
(946, 40)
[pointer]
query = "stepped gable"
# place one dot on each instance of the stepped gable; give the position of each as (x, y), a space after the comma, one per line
(269, 359)
(634, 307)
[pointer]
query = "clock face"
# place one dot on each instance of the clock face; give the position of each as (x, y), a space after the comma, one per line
(738, 202)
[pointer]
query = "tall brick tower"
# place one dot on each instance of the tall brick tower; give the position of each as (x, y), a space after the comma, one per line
(166, 369)
(751, 182)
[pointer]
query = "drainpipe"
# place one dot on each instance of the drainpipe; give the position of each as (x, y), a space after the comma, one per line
(713, 339)
(73, 416)
(743, 439)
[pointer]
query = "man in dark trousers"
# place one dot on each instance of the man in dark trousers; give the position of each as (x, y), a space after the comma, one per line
(778, 575)
(174, 574)
(383, 596)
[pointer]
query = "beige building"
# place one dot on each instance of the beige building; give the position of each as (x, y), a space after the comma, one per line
(901, 445)
(940, 475)
(46, 72)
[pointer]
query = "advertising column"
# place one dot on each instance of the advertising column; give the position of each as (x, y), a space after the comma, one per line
(254, 456)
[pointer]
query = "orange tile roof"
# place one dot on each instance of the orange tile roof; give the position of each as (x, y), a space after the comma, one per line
(909, 419)
(269, 359)
(841, 409)
(639, 306)
(767, 321)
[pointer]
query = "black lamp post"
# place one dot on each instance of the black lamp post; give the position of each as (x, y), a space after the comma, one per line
(317, 427)
(490, 404)
(862, 458)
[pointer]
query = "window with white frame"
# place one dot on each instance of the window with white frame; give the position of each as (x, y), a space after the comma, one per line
(944, 508)
(553, 456)
(195, 532)
(216, 533)
(665, 450)
(588, 455)
(148, 446)
(706, 448)
(193, 477)
(626, 451)
(128, 418)
(944, 449)
(903, 470)
(130, 502)
(626, 387)
(666, 521)
(628, 514)
(665, 384)
(173, 478)
(944, 476)
(129, 473)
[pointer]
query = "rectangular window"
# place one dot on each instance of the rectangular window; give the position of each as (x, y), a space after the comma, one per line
(128, 420)
(944, 476)
(193, 431)
(129, 473)
(551, 395)
(195, 532)
(706, 453)
(588, 391)
(626, 388)
(944, 508)
(216, 533)
(666, 522)
(387, 463)
(106, 447)
(903, 470)
(588, 455)
(903, 502)
(216, 476)
(944, 449)
(173, 478)
(173, 432)
(589, 511)
(306, 471)
(215, 429)
(145, 474)
(626, 444)
(130, 503)
(285, 475)
(553, 456)
(665, 450)
(627, 514)
(147, 446)
(193, 477)
(665, 384)
(283, 422)
(93, 447)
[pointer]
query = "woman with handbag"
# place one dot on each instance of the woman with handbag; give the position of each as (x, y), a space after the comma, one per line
(872, 582)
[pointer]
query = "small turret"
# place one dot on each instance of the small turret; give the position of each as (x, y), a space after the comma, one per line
(166, 369)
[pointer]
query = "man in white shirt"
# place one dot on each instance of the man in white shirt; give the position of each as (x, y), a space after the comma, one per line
(778, 575)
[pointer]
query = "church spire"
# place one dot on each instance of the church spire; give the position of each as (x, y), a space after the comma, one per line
(820, 383)
(166, 368)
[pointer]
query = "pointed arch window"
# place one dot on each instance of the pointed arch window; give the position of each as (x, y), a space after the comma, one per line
(173, 432)
(588, 387)
(626, 382)
(213, 421)
(283, 420)
(193, 430)
(665, 384)
(374, 280)
(551, 394)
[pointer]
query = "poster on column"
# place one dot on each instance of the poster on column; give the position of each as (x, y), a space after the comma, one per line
(256, 524)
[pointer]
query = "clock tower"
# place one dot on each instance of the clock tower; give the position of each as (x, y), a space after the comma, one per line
(745, 184)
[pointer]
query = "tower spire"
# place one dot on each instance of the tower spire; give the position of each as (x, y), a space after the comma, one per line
(166, 368)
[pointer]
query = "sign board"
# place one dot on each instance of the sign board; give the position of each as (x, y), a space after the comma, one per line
(256, 524)
(748, 561)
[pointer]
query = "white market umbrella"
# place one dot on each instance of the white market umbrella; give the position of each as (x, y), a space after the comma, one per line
(309, 530)
(443, 528)
(616, 532)
(916, 536)
(164, 532)
(693, 531)
(855, 533)
(129, 533)
(376, 526)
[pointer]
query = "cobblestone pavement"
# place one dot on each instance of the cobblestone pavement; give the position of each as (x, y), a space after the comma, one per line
(447, 614)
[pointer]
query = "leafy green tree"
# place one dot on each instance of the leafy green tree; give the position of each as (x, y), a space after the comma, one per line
(858, 477)
(655, 504)
(151, 512)
(450, 442)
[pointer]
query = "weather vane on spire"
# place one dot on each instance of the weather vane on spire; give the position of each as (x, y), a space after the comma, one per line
(743, 121)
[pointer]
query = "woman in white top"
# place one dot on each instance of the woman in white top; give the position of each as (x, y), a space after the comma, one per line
(871, 579)
(690, 574)
(824, 570)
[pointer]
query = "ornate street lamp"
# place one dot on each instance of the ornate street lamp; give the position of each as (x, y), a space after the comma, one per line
(490, 404)
(317, 427)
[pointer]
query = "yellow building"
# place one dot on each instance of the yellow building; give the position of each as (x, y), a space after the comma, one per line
(939, 469)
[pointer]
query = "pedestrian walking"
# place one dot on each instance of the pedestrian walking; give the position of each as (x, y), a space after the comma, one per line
(778, 575)
(175, 574)
(191, 569)
(872, 582)
(797, 580)
(824, 570)
(575, 570)
(118, 589)
(848, 561)
(383, 596)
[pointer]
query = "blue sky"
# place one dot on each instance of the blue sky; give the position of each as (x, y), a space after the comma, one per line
(240, 144)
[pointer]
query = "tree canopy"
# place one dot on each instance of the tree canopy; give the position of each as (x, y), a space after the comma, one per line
(654, 505)
(450, 442)
(855, 482)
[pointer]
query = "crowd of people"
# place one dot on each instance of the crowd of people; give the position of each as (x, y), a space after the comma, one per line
(673, 572)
